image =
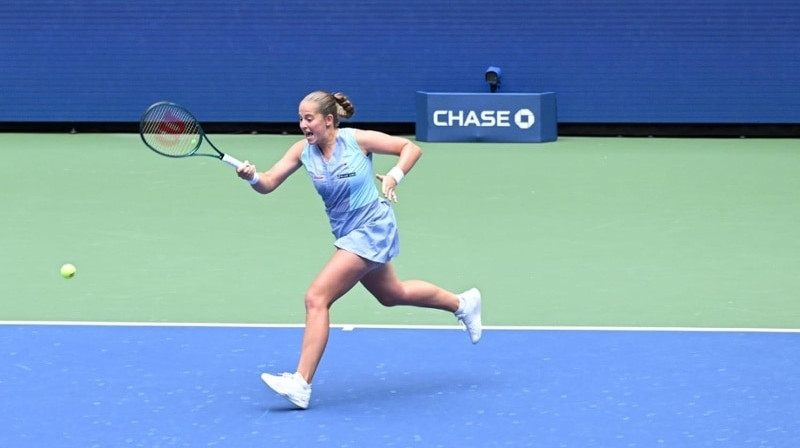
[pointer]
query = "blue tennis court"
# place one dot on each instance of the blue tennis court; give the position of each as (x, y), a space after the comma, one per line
(185, 385)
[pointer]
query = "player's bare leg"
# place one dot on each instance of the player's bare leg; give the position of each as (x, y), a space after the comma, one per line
(337, 277)
(383, 283)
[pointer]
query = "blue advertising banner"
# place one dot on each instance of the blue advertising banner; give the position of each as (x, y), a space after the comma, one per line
(253, 61)
(486, 117)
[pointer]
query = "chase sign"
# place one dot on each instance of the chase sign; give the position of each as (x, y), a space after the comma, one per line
(486, 117)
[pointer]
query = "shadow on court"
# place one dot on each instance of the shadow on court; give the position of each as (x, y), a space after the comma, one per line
(99, 385)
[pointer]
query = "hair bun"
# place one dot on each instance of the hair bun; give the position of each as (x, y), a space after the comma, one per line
(345, 108)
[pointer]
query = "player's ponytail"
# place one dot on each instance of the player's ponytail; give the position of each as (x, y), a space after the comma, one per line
(345, 108)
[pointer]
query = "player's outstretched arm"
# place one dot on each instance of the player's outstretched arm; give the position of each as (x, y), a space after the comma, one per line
(269, 180)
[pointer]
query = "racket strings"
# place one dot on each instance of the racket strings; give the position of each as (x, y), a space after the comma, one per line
(170, 130)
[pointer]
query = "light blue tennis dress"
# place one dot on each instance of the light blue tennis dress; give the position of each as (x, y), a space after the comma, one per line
(362, 222)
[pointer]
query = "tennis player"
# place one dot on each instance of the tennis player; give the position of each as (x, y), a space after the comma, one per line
(339, 163)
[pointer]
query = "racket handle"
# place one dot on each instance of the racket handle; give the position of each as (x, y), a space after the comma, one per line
(236, 163)
(232, 161)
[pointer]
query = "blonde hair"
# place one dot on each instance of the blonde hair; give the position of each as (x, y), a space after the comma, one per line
(336, 104)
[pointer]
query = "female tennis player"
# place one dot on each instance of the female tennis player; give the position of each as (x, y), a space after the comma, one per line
(339, 163)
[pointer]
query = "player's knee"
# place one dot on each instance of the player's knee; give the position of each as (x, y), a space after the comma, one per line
(315, 301)
(390, 299)
(387, 301)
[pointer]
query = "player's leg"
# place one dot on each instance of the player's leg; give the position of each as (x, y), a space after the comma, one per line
(337, 277)
(383, 283)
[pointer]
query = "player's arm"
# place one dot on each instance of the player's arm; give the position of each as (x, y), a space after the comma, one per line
(380, 143)
(407, 152)
(271, 179)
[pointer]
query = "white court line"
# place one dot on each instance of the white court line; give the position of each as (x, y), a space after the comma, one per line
(351, 327)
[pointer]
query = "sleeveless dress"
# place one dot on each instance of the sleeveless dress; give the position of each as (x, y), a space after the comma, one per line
(362, 222)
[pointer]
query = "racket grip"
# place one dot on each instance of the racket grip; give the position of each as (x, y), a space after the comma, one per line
(232, 161)
(236, 163)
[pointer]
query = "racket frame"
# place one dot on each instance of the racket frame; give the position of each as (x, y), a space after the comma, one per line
(201, 135)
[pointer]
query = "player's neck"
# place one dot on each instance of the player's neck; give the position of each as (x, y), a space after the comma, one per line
(327, 146)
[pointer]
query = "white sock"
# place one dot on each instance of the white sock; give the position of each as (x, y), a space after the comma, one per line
(300, 377)
(461, 304)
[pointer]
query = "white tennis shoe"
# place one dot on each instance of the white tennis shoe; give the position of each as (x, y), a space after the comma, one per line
(469, 313)
(291, 386)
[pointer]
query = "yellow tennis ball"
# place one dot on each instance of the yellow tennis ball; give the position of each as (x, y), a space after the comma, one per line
(68, 271)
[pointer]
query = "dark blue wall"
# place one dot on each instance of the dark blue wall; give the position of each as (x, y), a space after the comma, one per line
(643, 61)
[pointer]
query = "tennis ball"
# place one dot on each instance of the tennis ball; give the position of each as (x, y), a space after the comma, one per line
(194, 141)
(68, 271)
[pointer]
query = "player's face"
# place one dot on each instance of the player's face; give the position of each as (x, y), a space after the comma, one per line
(312, 122)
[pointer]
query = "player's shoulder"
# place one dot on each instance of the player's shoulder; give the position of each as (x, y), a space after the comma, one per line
(348, 132)
(366, 135)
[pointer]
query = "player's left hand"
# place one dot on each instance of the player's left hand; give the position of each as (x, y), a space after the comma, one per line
(388, 185)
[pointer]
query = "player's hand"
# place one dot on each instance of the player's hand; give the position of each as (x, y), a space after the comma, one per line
(388, 185)
(246, 171)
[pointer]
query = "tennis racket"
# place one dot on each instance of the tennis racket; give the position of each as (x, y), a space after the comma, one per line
(172, 131)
